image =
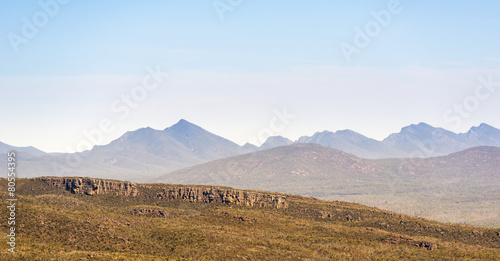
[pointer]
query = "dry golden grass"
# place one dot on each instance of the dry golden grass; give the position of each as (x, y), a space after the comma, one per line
(54, 224)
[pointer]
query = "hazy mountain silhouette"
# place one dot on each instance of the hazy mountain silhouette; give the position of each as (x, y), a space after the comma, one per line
(484, 134)
(275, 141)
(146, 153)
(25, 152)
(354, 143)
(421, 140)
(139, 155)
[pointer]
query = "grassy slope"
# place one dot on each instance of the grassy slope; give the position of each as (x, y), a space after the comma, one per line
(54, 224)
(460, 187)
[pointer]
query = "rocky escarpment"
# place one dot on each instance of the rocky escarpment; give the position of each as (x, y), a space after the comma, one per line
(220, 195)
(91, 186)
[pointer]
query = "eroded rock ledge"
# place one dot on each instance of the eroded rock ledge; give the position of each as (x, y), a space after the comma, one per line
(229, 196)
(94, 186)
(91, 186)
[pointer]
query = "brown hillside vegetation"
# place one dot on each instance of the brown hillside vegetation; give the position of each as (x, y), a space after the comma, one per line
(92, 219)
(461, 187)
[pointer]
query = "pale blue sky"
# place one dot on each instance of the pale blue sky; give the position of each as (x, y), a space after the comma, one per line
(229, 75)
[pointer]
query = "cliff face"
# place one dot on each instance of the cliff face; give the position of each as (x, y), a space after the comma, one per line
(90, 186)
(229, 196)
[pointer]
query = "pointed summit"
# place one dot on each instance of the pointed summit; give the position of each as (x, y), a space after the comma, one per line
(182, 124)
(200, 141)
(183, 129)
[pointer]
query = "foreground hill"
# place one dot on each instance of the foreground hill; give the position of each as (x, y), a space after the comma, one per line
(93, 219)
(460, 187)
(299, 168)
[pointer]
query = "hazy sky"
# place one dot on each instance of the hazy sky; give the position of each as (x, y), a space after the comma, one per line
(74, 67)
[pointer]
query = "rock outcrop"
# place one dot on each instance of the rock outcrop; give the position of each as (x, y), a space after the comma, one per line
(91, 186)
(144, 211)
(229, 196)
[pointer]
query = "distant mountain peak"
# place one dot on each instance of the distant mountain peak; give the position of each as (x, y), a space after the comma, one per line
(347, 132)
(183, 125)
(275, 141)
(145, 134)
(183, 122)
(420, 126)
(30, 150)
(483, 126)
(278, 138)
(140, 131)
(146, 129)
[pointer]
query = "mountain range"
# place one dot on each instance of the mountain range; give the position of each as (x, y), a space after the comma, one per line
(26, 152)
(421, 140)
(146, 153)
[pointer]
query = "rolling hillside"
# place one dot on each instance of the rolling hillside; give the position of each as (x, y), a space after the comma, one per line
(460, 187)
(93, 219)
